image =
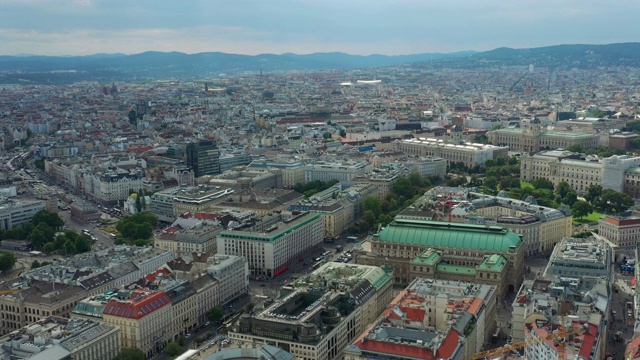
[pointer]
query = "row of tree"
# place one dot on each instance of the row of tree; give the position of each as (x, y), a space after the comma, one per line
(44, 235)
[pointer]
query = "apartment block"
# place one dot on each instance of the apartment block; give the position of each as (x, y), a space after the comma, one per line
(430, 319)
(56, 338)
(346, 297)
(18, 212)
(275, 243)
(622, 230)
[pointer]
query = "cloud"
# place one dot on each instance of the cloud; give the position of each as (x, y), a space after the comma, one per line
(63, 27)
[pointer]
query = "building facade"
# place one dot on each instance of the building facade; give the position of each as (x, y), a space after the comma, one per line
(18, 212)
(621, 230)
(273, 245)
(463, 247)
(203, 157)
(468, 154)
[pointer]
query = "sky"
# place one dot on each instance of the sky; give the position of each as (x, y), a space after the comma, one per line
(394, 27)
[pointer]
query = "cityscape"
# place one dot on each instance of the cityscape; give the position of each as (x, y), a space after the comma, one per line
(271, 197)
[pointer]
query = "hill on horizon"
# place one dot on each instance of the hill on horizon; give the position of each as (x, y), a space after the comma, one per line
(153, 65)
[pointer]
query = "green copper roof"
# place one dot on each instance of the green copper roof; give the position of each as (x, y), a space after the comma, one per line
(493, 262)
(427, 257)
(456, 269)
(450, 235)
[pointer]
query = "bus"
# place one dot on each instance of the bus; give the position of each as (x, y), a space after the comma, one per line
(317, 265)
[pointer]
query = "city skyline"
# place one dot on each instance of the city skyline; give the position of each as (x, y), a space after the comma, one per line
(84, 27)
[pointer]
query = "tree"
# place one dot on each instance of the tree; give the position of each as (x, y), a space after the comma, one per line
(570, 198)
(593, 191)
(581, 209)
(133, 117)
(611, 202)
(491, 183)
(7, 260)
(216, 314)
(35, 264)
(575, 148)
(52, 219)
(416, 179)
(172, 349)
(130, 354)
(542, 183)
(402, 187)
(373, 204)
(326, 135)
(343, 133)
(562, 189)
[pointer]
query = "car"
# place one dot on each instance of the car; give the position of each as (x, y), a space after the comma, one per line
(262, 284)
(188, 335)
(207, 323)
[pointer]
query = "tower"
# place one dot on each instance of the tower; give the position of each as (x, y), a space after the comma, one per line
(203, 157)
(530, 136)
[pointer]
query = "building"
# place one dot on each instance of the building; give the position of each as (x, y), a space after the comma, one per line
(582, 259)
(589, 339)
(18, 212)
(54, 290)
(232, 274)
(468, 154)
(256, 352)
(462, 247)
(292, 171)
(430, 319)
(203, 157)
(84, 212)
(56, 338)
(229, 161)
(144, 318)
(195, 199)
(622, 230)
(541, 227)
(253, 178)
(326, 171)
(622, 140)
(580, 172)
(188, 235)
(321, 316)
(339, 206)
(532, 138)
(275, 243)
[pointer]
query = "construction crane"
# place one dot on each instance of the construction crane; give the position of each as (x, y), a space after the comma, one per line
(561, 335)
(10, 291)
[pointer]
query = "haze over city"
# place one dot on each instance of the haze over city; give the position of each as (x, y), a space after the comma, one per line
(83, 27)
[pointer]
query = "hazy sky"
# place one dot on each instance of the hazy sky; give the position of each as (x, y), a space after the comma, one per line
(80, 27)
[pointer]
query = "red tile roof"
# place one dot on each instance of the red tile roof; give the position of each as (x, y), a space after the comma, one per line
(138, 306)
(633, 349)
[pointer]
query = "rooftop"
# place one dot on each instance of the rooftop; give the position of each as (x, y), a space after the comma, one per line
(449, 235)
(52, 338)
(276, 231)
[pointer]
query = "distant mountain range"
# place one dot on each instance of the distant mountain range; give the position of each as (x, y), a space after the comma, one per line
(155, 65)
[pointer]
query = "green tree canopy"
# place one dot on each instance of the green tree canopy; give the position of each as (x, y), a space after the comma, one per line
(542, 183)
(173, 349)
(343, 133)
(7, 260)
(402, 187)
(52, 219)
(593, 191)
(581, 209)
(130, 354)
(562, 189)
(216, 314)
(373, 204)
(575, 148)
(611, 202)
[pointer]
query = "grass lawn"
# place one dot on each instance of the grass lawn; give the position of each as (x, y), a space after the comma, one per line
(591, 218)
(524, 184)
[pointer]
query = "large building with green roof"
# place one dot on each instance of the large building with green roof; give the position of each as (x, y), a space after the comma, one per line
(452, 251)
